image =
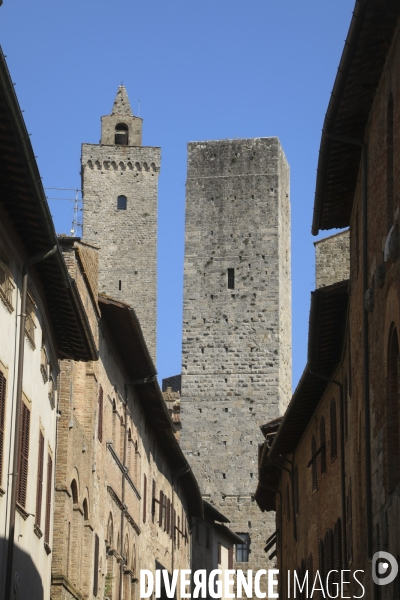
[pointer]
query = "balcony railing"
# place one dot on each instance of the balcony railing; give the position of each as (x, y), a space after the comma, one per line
(6, 286)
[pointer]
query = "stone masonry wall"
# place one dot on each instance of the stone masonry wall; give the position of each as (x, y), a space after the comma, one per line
(127, 238)
(236, 371)
(332, 259)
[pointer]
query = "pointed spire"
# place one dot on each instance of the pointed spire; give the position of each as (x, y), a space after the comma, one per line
(121, 104)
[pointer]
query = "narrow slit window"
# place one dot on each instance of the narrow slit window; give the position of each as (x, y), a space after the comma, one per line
(121, 203)
(231, 279)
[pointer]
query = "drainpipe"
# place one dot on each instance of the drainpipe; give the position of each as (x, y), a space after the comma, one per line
(342, 462)
(33, 260)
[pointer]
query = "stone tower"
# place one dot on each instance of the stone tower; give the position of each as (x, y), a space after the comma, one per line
(236, 366)
(119, 183)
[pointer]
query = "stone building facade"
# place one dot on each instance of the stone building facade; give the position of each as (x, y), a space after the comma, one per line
(236, 364)
(30, 353)
(332, 259)
(119, 184)
(125, 494)
(341, 478)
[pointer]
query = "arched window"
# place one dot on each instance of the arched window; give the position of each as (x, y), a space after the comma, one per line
(333, 430)
(389, 162)
(322, 441)
(121, 134)
(392, 410)
(85, 510)
(121, 202)
(74, 492)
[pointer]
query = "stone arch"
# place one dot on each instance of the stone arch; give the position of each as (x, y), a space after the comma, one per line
(138, 167)
(122, 166)
(121, 134)
(90, 164)
(74, 492)
(153, 167)
(85, 508)
(106, 164)
(129, 165)
(145, 166)
(114, 165)
(98, 165)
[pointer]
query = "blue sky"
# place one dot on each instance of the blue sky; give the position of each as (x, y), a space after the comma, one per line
(201, 70)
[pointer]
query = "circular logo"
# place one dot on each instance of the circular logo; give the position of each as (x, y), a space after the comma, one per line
(384, 568)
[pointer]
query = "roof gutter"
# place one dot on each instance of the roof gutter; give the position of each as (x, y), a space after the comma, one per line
(333, 109)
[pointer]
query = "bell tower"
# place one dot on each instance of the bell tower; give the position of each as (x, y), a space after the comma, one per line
(120, 189)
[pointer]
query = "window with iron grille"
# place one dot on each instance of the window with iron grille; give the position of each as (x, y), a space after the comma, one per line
(23, 456)
(243, 550)
(2, 419)
(96, 565)
(48, 498)
(39, 488)
(231, 279)
(333, 430)
(322, 441)
(100, 416)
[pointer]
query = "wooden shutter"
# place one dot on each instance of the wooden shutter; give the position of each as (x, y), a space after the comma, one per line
(314, 462)
(153, 501)
(2, 418)
(100, 417)
(322, 441)
(96, 565)
(219, 553)
(39, 489)
(48, 499)
(144, 497)
(23, 456)
(160, 508)
(230, 558)
(333, 430)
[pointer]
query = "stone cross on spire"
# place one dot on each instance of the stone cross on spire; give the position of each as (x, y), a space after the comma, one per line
(121, 104)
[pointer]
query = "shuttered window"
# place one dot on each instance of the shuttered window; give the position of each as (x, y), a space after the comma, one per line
(153, 501)
(322, 440)
(230, 558)
(39, 490)
(96, 565)
(48, 498)
(333, 430)
(314, 463)
(100, 418)
(144, 497)
(160, 508)
(2, 418)
(23, 456)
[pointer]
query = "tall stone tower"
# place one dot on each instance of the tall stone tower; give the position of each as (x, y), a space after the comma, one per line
(119, 183)
(236, 366)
